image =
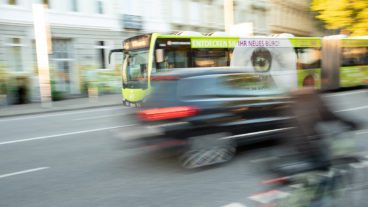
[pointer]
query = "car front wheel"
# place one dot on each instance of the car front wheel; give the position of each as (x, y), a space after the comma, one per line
(207, 150)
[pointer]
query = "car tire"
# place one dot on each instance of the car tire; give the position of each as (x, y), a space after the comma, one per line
(207, 150)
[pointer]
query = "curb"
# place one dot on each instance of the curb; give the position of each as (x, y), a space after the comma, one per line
(60, 110)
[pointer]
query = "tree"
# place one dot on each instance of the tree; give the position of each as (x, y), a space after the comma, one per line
(350, 16)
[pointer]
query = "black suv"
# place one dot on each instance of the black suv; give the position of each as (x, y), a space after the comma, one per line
(208, 113)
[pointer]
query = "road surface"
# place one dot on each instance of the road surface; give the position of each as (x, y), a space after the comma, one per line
(72, 159)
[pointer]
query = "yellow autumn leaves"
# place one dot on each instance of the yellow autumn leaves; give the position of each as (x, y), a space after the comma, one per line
(350, 16)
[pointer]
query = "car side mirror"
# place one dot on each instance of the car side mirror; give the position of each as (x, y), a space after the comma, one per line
(114, 51)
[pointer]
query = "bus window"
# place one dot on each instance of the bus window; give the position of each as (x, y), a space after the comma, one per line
(308, 58)
(135, 64)
(352, 56)
(214, 57)
(174, 58)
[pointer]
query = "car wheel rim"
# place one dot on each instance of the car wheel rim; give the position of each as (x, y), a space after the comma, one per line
(203, 157)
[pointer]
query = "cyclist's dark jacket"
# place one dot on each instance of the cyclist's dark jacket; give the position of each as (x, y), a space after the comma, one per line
(308, 109)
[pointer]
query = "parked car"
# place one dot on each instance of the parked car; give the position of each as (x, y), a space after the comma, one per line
(207, 113)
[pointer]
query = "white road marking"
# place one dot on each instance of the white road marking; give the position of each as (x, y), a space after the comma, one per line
(347, 93)
(359, 165)
(61, 113)
(258, 133)
(23, 172)
(266, 159)
(234, 205)
(362, 132)
(353, 109)
(97, 117)
(63, 134)
(269, 196)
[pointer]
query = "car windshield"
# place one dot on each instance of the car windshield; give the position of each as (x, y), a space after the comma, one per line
(135, 65)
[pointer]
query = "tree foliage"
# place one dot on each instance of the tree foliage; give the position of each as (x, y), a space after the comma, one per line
(350, 16)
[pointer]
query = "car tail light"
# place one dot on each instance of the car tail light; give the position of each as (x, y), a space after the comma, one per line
(279, 180)
(167, 113)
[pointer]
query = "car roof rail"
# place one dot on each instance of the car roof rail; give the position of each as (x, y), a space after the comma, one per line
(286, 35)
(219, 34)
(188, 33)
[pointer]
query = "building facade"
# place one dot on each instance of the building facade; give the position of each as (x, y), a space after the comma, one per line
(83, 31)
(292, 17)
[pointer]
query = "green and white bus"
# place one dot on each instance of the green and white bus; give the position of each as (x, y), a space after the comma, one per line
(294, 61)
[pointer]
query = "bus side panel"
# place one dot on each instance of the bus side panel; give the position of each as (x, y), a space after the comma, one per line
(353, 76)
(133, 95)
(304, 75)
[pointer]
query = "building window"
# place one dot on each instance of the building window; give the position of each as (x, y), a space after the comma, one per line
(62, 62)
(100, 6)
(101, 54)
(15, 54)
(12, 2)
(74, 5)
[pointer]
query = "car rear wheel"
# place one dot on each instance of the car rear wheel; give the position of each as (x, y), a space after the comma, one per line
(207, 150)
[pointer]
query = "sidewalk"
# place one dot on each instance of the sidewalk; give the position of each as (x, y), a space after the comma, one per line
(65, 105)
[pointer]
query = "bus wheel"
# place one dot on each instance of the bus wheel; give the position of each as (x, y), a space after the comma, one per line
(138, 104)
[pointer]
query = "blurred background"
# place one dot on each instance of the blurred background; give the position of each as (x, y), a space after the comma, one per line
(68, 157)
(83, 31)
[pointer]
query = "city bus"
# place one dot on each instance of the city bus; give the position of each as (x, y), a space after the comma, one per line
(147, 54)
(293, 61)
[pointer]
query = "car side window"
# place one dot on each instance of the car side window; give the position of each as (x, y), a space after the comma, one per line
(247, 85)
(197, 87)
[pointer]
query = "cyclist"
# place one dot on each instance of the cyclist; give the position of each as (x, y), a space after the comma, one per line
(309, 110)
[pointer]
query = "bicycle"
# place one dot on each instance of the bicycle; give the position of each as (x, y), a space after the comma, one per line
(344, 183)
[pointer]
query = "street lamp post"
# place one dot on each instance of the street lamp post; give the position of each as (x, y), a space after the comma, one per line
(228, 14)
(43, 48)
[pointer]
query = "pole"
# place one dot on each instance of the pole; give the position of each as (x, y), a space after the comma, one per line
(42, 51)
(228, 14)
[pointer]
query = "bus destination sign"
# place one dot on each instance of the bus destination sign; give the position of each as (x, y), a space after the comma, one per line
(137, 43)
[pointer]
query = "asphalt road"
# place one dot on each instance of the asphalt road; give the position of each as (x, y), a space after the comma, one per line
(72, 159)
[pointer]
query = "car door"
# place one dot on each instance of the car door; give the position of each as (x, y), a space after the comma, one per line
(256, 104)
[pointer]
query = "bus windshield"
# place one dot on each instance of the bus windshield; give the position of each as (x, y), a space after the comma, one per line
(135, 66)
